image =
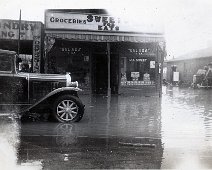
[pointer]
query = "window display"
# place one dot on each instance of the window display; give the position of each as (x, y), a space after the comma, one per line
(137, 71)
(138, 64)
(71, 57)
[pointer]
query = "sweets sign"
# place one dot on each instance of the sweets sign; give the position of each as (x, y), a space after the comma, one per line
(82, 22)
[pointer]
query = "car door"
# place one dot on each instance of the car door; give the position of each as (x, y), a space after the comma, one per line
(6, 77)
(13, 86)
(20, 88)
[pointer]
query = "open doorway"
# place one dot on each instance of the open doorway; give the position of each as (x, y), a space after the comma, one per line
(99, 69)
(114, 73)
(100, 74)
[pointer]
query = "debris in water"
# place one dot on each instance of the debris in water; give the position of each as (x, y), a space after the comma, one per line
(138, 144)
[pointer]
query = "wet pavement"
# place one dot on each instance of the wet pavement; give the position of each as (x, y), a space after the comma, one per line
(130, 132)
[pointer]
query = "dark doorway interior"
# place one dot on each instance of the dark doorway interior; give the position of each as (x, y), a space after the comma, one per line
(100, 74)
(114, 73)
(12, 45)
(99, 69)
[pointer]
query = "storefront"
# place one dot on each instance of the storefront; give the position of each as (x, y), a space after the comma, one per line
(102, 53)
(29, 47)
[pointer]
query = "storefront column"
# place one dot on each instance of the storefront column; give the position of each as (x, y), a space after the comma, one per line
(108, 66)
(48, 44)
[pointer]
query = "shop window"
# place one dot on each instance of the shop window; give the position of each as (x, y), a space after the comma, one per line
(74, 59)
(137, 71)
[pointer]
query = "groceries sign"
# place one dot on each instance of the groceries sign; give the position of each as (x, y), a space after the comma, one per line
(94, 22)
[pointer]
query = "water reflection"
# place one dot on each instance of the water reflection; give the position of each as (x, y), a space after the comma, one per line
(186, 128)
(8, 142)
(65, 134)
(116, 132)
(68, 149)
(174, 131)
(124, 116)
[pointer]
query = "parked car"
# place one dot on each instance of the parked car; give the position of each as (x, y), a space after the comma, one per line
(203, 77)
(38, 93)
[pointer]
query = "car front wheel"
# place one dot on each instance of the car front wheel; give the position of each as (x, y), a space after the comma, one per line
(68, 108)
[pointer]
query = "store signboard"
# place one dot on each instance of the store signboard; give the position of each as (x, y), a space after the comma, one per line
(94, 22)
(29, 30)
(152, 64)
(36, 54)
(9, 29)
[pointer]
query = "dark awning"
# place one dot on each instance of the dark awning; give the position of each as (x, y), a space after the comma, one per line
(104, 37)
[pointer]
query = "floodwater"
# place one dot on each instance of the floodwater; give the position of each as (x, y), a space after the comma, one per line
(130, 132)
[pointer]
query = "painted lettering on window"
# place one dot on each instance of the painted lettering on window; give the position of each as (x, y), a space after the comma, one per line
(137, 60)
(72, 50)
(139, 51)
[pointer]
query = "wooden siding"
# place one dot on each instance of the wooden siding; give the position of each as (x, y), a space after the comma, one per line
(187, 68)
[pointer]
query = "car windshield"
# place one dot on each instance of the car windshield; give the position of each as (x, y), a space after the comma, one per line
(5, 63)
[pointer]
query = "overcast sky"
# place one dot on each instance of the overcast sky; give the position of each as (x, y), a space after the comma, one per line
(187, 23)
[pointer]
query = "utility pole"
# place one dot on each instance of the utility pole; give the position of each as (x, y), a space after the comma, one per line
(19, 33)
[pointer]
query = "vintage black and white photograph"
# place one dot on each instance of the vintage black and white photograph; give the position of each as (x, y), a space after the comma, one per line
(105, 84)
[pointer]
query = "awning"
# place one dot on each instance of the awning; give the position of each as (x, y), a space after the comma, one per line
(104, 37)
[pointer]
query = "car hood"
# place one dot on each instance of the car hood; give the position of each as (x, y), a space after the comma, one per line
(50, 77)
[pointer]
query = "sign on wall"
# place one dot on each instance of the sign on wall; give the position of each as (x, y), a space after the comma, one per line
(101, 22)
(36, 54)
(9, 30)
(152, 64)
(176, 76)
(95, 22)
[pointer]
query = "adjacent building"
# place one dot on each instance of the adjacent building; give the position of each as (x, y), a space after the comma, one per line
(188, 65)
(30, 45)
(103, 52)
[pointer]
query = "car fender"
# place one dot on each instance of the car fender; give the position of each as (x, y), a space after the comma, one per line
(70, 90)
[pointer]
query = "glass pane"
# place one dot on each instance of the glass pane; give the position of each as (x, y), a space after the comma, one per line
(25, 64)
(5, 63)
(137, 70)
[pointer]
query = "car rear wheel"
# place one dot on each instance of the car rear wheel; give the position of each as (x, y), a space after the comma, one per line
(68, 108)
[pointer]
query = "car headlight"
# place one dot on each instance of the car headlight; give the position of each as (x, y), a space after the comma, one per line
(69, 83)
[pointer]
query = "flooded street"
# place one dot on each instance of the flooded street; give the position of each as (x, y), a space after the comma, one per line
(186, 118)
(148, 132)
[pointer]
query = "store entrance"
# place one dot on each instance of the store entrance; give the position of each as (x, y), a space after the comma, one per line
(99, 69)
(100, 74)
(114, 73)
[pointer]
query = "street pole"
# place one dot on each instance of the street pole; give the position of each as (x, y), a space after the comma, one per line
(19, 33)
(108, 56)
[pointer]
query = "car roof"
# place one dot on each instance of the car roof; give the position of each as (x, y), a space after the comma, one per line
(7, 52)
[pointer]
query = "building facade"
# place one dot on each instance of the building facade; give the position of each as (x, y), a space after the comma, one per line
(188, 65)
(30, 45)
(102, 52)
